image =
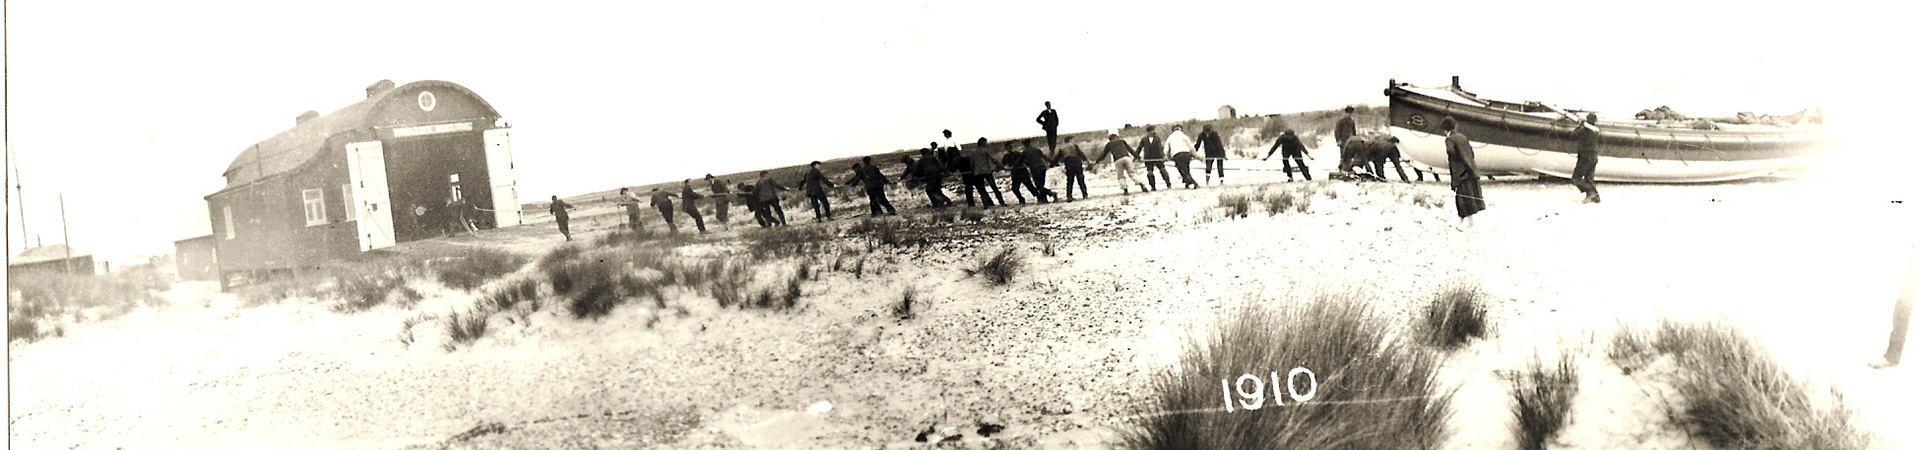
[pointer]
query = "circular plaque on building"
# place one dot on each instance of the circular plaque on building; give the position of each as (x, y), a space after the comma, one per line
(427, 102)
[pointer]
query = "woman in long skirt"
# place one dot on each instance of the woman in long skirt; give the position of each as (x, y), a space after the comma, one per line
(1466, 175)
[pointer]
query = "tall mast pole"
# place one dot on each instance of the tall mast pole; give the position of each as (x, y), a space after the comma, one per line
(19, 197)
(68, 241)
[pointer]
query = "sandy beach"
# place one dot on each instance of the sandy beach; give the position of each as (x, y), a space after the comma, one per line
(1054, 359)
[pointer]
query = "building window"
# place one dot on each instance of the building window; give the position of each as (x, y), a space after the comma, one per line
(346, 197)
(227, 213)
(453, 186)
(316, 201)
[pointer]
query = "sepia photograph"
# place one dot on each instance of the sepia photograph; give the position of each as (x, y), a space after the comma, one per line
(956, 224)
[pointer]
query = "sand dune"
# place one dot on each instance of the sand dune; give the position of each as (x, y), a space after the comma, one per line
(1057, 357)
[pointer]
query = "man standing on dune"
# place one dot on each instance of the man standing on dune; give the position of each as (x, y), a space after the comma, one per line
(1344, 129)
(1050, 122)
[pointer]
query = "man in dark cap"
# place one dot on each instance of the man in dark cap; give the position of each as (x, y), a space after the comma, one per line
(559, 210)
(687, 196)
(1153, 154)
(979, 175)
(754, 206)
(1344, 129)
(1290, 148)
(1586, 138)
(930, 170)
(664, 202)
(1216, 154)
(1124, 172)
(1382, 150)
(1073, 165)
(1050, 121)
(816, 185)
(875, 184)
(1018, 175)
(767, 192)
(722, 200)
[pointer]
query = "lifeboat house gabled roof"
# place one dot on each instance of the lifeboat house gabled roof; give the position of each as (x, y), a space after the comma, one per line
(285, 151)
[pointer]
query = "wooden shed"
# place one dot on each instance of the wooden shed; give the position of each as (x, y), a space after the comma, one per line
(194, 259)
(57, 258)
(339, 184)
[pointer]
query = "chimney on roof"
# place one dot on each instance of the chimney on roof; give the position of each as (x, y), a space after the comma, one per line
(1456, 81)
(305, 116)
(379, 86)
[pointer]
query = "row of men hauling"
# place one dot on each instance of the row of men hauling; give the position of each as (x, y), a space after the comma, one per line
(761, 198)
(1027, 166)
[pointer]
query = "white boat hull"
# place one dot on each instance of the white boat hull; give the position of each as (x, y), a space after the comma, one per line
(1428, 152)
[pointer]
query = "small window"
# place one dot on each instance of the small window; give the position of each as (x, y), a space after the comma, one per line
(316, 201)
(346, 198)
(227, 213)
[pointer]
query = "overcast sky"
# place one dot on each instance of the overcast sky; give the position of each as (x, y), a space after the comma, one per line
(132, 109)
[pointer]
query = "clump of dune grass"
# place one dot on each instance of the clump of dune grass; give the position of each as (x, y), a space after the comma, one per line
(1733, 395)
(1542, 395)
(887, 232)
(365, 284)
(781, 242)
(792, 294)
(473, 267)
(623, 237)
(559, 255)
(1236, 204)
(505, 296)
(1000, 268)
(464, 328)
(591, 287)
(903, 309)
(1371, 389)
(1277, 202)
(729, 285)
(1456, 315)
